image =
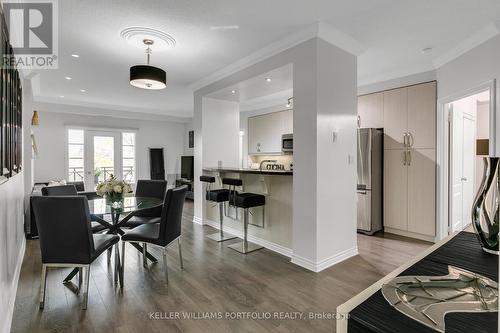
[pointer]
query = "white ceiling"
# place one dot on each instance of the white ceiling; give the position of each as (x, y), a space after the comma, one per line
(393, 33)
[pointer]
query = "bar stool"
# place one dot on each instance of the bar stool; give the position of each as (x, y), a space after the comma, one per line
(244, 201)
(220, 197)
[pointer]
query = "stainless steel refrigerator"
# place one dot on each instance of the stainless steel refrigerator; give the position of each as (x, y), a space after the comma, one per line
(370, 173)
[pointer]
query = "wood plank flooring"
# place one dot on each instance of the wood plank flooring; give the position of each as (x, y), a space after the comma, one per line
(215, 281)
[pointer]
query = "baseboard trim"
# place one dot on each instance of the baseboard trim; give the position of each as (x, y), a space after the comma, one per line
(257, 240)
(197, 220)
(318, 266)
(12, 301)
(410, 234)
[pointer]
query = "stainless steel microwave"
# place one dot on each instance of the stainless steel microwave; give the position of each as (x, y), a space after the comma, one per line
(287, 143)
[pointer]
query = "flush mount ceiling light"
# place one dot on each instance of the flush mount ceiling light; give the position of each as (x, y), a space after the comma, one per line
(147, 76)
(268, 79)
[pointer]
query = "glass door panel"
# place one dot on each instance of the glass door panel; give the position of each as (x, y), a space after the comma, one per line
(103, 157)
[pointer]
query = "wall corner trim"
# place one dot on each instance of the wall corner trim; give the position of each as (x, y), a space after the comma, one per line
(318, 266)
(6, 325)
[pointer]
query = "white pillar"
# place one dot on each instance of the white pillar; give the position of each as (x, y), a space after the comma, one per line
(325, 108)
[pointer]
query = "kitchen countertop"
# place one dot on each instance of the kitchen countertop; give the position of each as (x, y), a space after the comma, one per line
(251, 171)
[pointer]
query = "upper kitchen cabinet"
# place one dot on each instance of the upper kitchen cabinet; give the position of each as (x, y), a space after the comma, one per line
(265, 131)
(395, 118)
(371, 111)
(422, 115)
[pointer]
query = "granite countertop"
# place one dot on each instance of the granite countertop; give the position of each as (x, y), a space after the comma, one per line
(251, 171)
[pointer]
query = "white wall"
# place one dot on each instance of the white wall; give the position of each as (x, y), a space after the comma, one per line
(471, 70)
(51, 137)
(221, 128)
(12, 241)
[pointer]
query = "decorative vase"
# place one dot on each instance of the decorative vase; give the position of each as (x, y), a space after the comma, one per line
(114, 197)
(485, 212)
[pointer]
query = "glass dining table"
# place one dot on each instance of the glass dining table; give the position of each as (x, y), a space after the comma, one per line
(120, 212)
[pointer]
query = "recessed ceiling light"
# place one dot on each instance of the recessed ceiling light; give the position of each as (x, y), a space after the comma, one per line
(233, 91)
(75, 56)
(268, 79)
(68, 77)
(62, 96)
(83, 90)
(426, 49)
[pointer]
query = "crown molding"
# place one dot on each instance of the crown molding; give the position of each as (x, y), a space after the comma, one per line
(487, 32)
(316, 30)
(88, 110)
(108, 110)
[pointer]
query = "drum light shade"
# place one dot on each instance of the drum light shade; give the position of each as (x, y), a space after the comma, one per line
(148, 77)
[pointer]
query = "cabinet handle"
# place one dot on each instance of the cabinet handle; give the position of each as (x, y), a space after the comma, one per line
(404, 140)
(409, 157)
(411, 140)
(404, 158)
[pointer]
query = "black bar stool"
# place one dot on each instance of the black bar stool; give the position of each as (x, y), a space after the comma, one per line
(244, 201)
(220, 197)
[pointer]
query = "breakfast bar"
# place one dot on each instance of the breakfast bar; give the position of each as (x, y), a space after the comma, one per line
(273, 229)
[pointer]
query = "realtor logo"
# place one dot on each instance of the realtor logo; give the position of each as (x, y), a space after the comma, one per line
(33, 33)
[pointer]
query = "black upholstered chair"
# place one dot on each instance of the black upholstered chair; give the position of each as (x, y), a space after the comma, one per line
(68, 190)
(80, 186)
(160, 234)
(151, 189)
(66, 238)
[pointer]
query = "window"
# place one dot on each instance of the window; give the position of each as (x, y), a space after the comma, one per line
(128, 156)
(76, 145)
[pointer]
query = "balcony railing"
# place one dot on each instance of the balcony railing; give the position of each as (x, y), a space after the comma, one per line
(77, 174)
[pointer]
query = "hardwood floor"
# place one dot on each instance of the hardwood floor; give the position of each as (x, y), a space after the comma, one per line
(215, 281)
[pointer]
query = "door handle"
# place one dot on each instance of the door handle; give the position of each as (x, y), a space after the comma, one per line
(463, 179)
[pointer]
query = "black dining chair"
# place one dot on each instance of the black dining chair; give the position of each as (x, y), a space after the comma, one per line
(151, 189)
(160, 234)
(66, 238)
(69, 190)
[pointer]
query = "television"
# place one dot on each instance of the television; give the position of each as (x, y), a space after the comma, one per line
(187, 167)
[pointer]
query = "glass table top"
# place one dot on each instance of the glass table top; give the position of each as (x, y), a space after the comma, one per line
(126, 205)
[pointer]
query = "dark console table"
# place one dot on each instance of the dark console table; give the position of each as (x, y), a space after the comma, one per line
(370, 312)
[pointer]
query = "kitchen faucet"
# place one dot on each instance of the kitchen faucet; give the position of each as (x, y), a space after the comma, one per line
(266, 161)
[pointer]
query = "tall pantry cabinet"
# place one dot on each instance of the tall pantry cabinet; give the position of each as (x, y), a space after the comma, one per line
(409, 121)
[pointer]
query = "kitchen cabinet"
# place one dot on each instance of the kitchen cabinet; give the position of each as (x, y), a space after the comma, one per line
(371, 111)
(422, 102)
(395, 190)
(395, 118)
(409, 122)
(422, 191)
(265, 131)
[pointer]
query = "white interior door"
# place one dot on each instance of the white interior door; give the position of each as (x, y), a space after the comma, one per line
(103, 157)
(463, 134)
(469, 158)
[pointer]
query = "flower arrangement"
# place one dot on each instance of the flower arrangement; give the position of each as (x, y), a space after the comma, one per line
(113, 188)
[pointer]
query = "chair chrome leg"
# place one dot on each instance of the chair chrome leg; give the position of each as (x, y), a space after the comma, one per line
(144, 257)
(123, 264)
(245, 247)
(221, 236)
(80, 278)
(43, 284)
(180, 252)
(165, 263)
(86, 276)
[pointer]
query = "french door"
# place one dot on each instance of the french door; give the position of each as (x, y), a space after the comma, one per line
(103, 156)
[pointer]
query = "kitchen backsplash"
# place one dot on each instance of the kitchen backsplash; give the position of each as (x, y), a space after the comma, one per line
(286, 160)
